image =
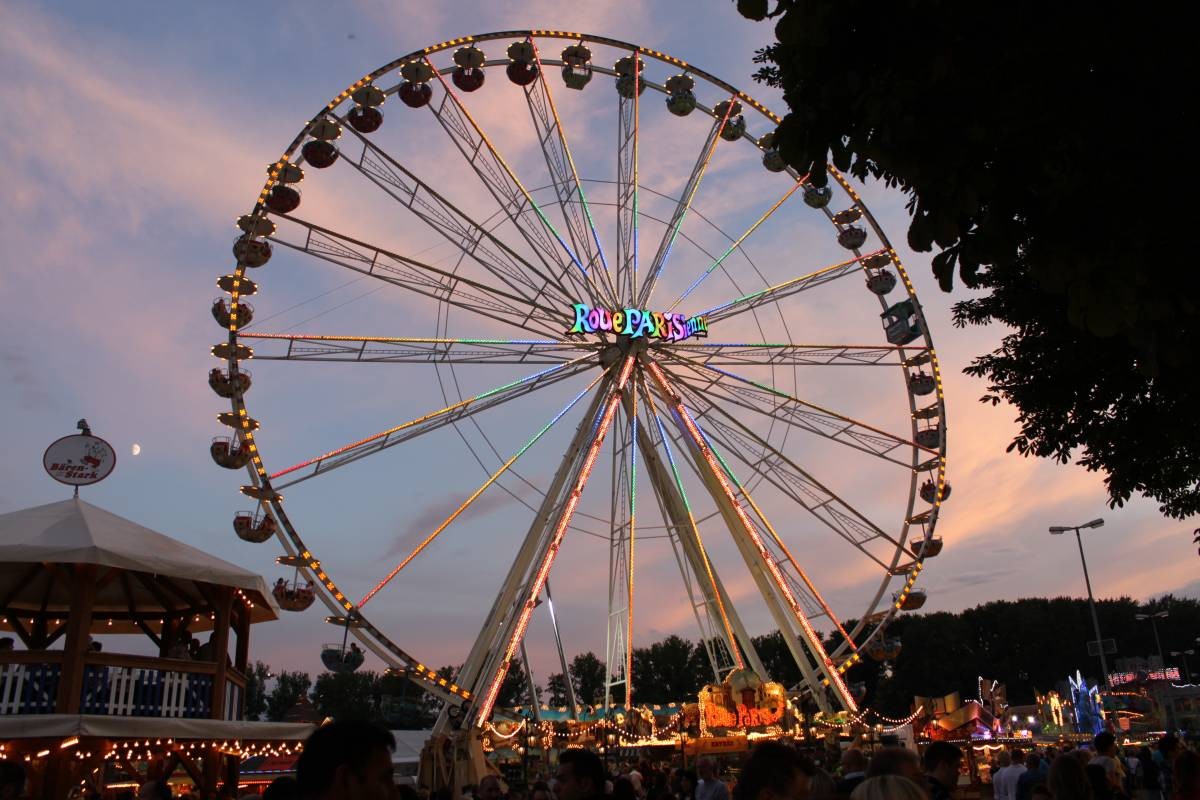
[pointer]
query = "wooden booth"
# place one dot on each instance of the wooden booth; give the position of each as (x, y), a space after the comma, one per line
(71, 572)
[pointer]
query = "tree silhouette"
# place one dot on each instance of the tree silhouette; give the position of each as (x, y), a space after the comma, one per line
(1036, 159)
(256, 694)
(587, 677)
(289, 687)
(346, 695)
(556, 688)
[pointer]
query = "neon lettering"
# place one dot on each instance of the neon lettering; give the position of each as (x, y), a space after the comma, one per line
(581, 312)
(636, 322)
(633, 322)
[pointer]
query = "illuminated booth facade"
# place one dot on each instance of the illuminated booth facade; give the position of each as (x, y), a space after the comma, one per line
(71, 571)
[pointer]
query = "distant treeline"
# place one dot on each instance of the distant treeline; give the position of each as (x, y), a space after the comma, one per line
(1027, 644)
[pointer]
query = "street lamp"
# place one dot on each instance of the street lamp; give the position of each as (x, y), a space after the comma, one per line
(1096, 523)
(1154, 618)
(1187, 673)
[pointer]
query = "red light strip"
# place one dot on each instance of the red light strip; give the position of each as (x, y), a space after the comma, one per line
(796, 564)
(489, 700)
(814, 641)
(632, 542)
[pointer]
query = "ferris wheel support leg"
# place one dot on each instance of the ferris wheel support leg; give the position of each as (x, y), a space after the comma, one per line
(572, 703)
(617, 647)
(784, 610)
(779, 612)
(469, 676)
(516, 621)
(683, 534)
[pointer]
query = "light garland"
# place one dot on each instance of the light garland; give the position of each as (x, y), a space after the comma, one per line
(861, 719)
(491, 729)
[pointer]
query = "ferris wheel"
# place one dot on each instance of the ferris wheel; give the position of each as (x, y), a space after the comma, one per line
(589, 286)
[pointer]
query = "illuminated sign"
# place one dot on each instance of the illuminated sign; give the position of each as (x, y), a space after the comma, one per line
(1121, 678)
(635, 322)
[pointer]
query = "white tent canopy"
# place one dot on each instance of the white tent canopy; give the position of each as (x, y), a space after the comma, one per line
(75, 532)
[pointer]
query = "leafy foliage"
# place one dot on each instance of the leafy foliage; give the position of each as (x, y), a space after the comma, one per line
(289, 687)
(256, 694)
(514, 691)
(346, 695)
(1027, 644)
(1034, 151)
(556, 690)
(587, 677)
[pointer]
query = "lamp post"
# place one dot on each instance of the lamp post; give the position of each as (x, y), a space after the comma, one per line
(1096, 523)
(1154, 618)
(1187, 672)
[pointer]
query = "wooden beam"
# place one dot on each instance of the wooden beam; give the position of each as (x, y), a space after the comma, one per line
(124, 764)
(18, 628)
(41, 622)
(189, 767)
(83, 594)
(127, 590)
(151, 635)
(108, 577)
(220, 649)
(242, 657)
(21, 583)
(170, 585)
(57, 633)
(153, 588)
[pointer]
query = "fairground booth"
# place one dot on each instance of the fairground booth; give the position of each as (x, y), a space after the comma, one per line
(82, 717)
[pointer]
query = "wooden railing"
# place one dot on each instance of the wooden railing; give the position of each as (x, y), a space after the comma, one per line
(118, 685)
(29, 682)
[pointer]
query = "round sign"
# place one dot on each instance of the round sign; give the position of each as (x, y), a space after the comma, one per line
(79, 460)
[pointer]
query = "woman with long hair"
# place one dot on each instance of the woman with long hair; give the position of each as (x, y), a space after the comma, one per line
(1068, 779)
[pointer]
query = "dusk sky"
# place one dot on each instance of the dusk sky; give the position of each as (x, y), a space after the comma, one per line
(138, 132)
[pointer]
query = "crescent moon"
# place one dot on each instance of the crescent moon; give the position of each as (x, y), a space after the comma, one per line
(137, 448)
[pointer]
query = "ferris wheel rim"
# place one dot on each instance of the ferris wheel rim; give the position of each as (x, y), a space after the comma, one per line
(294, 545)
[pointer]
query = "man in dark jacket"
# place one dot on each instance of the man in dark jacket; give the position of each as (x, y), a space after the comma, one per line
(941, 762)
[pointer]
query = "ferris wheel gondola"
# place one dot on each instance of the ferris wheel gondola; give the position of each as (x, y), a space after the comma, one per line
(538, 288)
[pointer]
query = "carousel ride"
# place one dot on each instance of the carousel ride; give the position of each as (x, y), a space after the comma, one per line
(679, 337)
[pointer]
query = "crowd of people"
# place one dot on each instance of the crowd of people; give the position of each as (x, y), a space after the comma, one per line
(353, 761)
(1105, 771)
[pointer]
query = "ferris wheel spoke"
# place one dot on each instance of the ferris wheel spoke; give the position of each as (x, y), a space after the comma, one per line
(782, 407)
(568, 189)
(813, 608)
(761, 354)
(628, 212)
(802, 585)
(738, 242)
(509, 307)
(495, 476)
(513, 631)
(470, 237)
(410, 350)
(780, 291)
(773, 585)
(783, 473)
(510, 194)
(319, 465)
(695, 565)
(682, 206)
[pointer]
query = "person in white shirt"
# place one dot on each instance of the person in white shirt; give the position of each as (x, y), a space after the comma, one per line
(1004, 782)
